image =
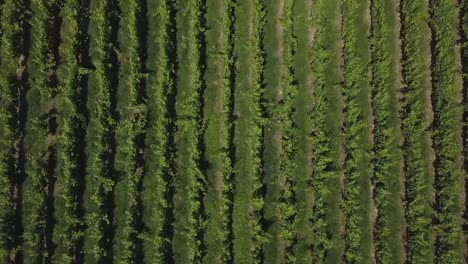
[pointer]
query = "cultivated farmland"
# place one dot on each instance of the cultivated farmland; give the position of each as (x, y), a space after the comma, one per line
(233, 131)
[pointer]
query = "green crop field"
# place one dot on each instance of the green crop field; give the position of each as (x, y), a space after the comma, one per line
(234, 131)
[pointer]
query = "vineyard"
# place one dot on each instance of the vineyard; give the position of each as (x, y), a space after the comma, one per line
(234, 131)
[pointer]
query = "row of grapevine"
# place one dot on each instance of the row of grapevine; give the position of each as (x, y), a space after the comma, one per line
(447, 98)
(99, 134)
(12, 88)
(357, 129)
(327, 120)
(157, 150)
(417, 117)
(302, 173)
(277, 129)
(388, 157)
(247, 134)
(285, 114)
(216, 138)
(187, 178)
(7, 75)
(70, 126)
(129, 127)
(40, 138)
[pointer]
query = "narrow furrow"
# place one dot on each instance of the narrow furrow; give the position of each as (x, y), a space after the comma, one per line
(357, 128)
(157, 170)
(417, 118)
(303, 34)
(12, 69)
(247, 134)
(447, 98)
(388, 156)
(276, 154)
(187, 175)
(327, 121)
(129, 126)
(70, 126)
(99, 135)
(40, 138)
(464, 61)
(216, 108)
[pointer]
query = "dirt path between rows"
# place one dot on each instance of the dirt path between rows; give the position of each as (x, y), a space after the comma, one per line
(279, 32)
(429, 111)
(341, 118)
(399, 94)
(372, 207)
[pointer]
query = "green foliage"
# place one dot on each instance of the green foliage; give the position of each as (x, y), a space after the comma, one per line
(129, 126)
(187, 177)
(67, 230)
(216, 139)
(388, 157)
(316, 124)
(327, 140)
(99, 183)
(11, 61)
(39, 142)
(158, 88)
(419, 173)
(277, 149)
(247, 134)
(357, 130)
(302, 173)
(447, 134)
